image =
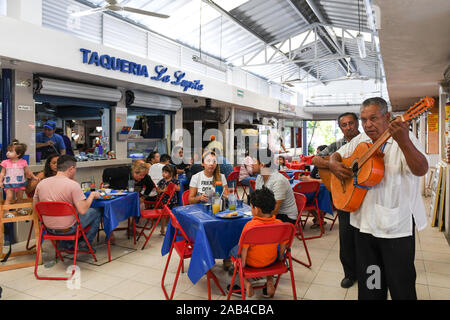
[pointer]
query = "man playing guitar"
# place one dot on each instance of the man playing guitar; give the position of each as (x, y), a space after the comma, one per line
(385, 241)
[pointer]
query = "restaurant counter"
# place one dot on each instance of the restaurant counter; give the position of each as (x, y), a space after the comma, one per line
(87, 169)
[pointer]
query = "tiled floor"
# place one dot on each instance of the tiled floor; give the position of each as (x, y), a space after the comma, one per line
(137, 275)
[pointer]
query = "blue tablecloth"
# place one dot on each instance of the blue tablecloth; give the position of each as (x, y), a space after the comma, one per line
(323, 198)
(118, 209)
(213, 237)
(291, 172)
(184, 185)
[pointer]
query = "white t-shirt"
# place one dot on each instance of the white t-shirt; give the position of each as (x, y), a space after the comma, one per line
(203, 183)
(388, 207)
(282, 190)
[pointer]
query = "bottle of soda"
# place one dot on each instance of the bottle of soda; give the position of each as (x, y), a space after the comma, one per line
(92, 186)
(219, 188)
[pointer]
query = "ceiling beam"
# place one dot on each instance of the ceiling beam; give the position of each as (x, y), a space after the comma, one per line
(244, 27)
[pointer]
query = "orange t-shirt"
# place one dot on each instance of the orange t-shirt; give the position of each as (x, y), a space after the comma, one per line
(259, 256)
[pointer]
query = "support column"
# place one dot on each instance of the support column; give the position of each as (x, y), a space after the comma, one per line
(7, 102)
(23, 118)
(119, 120)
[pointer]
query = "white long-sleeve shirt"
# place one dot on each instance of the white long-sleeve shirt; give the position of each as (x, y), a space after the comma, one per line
(388, 207)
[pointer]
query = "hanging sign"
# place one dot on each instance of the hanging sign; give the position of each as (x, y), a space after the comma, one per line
(140, 70)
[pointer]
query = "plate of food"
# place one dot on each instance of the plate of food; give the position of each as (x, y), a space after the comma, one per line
(229, 214)
(106, 197)
(118, 193)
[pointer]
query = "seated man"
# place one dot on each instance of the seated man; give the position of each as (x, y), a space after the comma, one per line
(262, 203)
(63, 187)
(285, 207)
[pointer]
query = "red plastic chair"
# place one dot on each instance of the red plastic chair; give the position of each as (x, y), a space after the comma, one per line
(185, 198)
(237, 168)
(300, 201)
(285, 174)
(234, 177)
(157, 213)
(184, 249)
(59, 209)
(310, 187)
(260, 235)
(297, 174)
(252, 184)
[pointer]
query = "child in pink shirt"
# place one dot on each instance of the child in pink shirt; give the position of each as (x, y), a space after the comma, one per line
(14, 173)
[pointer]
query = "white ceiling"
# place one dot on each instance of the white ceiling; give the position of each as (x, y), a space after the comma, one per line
(415, 45)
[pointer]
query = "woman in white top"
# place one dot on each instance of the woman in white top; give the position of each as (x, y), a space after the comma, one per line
(205, 181)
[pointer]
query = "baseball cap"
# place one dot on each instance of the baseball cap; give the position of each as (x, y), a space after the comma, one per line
(50, 124)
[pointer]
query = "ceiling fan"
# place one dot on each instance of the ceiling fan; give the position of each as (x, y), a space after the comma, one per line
(115, 5)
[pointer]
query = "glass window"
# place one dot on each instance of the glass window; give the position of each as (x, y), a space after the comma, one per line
(150, 132)
(83, 129)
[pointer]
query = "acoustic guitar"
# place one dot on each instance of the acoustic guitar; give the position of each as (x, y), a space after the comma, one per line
(367, 164)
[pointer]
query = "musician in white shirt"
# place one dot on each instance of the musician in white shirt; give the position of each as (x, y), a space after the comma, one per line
(385, 242)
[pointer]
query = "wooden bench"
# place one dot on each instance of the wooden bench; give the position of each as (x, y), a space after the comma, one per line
(27, 205)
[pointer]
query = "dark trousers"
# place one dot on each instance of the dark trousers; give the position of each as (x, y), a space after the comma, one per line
(385, 264)
(347, 249)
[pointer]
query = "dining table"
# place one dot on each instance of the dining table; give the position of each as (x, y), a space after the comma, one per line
(213, 237)
(117, 209)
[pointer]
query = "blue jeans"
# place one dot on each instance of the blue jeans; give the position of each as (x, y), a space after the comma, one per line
(90, 218)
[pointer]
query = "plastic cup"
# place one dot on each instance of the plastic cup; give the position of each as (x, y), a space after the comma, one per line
(240, 203)
(216, 205)
(131, 185)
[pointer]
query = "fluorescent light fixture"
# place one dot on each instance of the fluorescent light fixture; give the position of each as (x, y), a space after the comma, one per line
(208, 64)
(361, 45)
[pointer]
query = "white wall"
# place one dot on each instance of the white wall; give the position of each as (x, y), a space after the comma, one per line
(56, 49)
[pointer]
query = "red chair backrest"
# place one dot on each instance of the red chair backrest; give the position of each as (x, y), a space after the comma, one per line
(252, 184)
(268, 234)
(237, 168)
(297, 174)
(307, 187)
(300, 201)
(185, 198)
(233, 176)
(170, 191)
(175, 224)
(55, 209)
(288, 165)
(284, 174)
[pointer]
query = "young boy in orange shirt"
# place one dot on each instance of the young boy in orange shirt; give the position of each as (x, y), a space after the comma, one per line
(262, 203)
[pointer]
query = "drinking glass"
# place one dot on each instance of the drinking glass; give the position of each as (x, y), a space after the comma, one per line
(232, 201)
(216, 205)
(131, 185)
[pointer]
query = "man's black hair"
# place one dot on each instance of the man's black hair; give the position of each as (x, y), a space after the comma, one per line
(265, 157)
(164, 157)
(263, 199)
(65, 162)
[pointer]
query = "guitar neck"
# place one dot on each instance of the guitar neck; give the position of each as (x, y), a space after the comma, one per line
(381, 140)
